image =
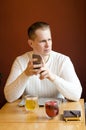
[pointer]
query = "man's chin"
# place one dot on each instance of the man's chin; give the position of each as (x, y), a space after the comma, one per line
(47, 53)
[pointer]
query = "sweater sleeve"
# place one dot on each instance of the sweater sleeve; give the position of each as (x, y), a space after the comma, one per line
(68, 83)
(16, 82)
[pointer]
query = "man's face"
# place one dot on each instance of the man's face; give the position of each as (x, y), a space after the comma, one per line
(42, 44)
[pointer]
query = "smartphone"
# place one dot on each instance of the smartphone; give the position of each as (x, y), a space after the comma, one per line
(38, 57)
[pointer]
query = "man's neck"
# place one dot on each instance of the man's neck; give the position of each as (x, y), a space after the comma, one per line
(46, 58)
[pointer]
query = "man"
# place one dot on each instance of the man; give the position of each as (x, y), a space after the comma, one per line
(53, 77)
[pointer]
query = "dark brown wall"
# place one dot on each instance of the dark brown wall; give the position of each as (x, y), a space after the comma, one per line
(67, 20)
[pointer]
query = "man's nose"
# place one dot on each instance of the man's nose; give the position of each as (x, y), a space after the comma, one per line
(47, 44)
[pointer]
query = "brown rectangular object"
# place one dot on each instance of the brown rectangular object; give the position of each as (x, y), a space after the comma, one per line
(72, 115)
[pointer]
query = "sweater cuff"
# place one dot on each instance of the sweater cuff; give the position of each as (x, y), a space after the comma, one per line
(25, 75)
(54, 78)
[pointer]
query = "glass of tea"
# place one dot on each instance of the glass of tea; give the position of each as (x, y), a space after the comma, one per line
(52, 108)
(31, 103)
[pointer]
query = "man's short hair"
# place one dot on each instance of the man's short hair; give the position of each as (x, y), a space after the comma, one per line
(35, 26)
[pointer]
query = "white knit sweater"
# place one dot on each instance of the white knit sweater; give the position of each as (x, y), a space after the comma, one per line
(66, 83)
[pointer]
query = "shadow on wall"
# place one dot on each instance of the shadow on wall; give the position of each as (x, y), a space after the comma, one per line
(2, 98)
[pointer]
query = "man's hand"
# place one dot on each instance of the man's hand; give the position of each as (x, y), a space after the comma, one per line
(45, 73)
(33, 69)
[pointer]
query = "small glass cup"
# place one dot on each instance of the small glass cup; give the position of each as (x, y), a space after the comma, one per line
(31, 103)
(52, 108)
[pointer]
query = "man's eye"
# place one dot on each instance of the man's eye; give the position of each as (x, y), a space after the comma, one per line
(49, 39)
(42, 41)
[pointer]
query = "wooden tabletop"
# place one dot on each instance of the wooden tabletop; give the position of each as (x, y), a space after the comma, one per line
(13, 117)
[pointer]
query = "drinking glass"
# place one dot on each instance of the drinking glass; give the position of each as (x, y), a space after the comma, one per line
(52, 108)
(31, 103)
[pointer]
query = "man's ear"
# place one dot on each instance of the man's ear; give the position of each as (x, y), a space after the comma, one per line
(30, 43)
